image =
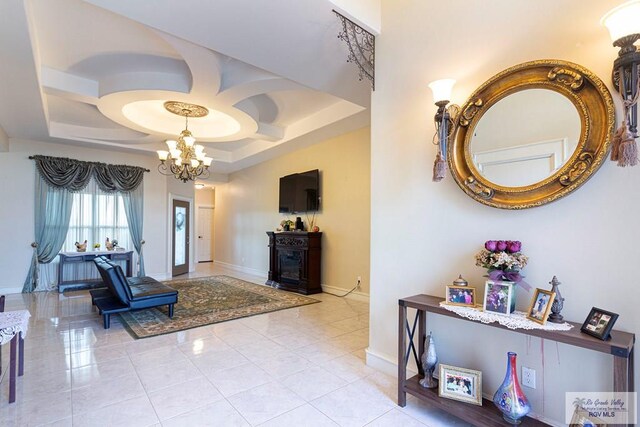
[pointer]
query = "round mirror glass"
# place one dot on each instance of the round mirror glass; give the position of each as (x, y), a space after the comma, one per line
(525, 137)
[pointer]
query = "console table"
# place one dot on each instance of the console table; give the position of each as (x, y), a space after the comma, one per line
(620, 346)
(294, 261)
(75, 258)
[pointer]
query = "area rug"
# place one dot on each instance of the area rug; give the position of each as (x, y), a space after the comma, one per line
(208, 300)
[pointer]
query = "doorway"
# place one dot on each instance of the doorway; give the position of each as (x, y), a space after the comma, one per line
(205, 233)
(181, 227)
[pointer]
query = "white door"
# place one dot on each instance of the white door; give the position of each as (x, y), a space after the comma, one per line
(205, 233)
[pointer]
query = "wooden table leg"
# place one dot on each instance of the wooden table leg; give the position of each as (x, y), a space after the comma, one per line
(421, 337)
(21, 356)
(402, 345)
(12, 369)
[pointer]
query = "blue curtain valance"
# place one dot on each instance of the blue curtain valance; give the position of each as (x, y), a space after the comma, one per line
(74, 175)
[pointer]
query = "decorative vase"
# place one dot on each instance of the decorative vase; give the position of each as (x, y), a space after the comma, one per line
(509, 397)
(429, 359)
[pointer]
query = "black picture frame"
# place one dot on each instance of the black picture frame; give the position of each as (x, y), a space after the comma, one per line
(592, 324)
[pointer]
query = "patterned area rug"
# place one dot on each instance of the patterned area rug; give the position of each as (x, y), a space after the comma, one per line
(208, 300)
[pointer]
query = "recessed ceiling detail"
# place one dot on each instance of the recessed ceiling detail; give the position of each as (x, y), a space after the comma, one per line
(82, 81)
(153, 116)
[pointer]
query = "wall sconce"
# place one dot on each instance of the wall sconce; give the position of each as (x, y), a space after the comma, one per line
(623, 23)
(445, 123)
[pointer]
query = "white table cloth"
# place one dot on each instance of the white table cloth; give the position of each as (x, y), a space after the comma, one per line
(13, 322)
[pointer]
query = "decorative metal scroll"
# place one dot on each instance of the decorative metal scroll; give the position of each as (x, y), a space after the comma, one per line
(362, 47)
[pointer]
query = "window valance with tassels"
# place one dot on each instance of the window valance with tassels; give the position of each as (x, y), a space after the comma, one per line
(74, 175)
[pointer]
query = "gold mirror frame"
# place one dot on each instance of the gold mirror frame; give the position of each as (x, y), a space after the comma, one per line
(597, 117)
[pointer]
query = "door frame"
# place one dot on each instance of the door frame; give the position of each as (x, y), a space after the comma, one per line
(189, 200)
(197, 218)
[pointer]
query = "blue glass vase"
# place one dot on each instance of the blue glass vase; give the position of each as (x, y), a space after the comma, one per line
(509, 397)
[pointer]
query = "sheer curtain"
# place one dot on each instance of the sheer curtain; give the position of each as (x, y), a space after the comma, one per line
(95, 215)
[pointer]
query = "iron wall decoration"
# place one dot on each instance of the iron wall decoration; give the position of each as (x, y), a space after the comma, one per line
(362, 47)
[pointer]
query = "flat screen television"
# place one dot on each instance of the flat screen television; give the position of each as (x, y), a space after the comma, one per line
(300, 192)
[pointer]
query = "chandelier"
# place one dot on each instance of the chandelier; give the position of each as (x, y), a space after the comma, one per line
(185, 159)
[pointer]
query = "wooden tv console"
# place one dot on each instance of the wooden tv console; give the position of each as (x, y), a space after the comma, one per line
(295, 258)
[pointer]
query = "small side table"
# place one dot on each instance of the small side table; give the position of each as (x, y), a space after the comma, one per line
(13, 329)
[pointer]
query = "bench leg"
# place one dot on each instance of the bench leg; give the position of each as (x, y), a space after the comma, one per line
(106, 319)
(170, 310)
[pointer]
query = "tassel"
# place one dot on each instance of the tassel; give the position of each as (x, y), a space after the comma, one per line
(628, 155)
(439, 169)
(616, 140)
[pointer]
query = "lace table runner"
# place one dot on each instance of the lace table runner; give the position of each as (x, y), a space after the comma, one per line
(517, 319)
(12, 322)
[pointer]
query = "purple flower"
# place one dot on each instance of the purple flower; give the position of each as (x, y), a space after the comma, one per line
(501, 245)
(490, 245)
(513, 247)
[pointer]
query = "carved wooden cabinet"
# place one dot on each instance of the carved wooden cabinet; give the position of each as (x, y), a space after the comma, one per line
(294, 261)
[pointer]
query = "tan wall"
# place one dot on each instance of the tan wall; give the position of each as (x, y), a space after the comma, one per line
(247, 207)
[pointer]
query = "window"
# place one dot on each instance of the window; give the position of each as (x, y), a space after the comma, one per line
(96, 215)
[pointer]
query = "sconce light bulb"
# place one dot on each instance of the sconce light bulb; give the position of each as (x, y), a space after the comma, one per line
(623, 20)
(442, 89)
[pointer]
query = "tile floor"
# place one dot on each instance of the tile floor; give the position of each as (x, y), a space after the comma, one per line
(298, 367)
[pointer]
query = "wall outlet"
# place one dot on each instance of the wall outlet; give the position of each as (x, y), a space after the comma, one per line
(528, 377)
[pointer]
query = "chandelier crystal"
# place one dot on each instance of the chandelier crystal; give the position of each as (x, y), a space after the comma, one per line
(185, 159)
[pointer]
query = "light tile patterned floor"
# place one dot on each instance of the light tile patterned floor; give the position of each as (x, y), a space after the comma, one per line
(298, 367)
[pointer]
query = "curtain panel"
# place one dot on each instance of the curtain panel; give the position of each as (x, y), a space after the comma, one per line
(56, 179)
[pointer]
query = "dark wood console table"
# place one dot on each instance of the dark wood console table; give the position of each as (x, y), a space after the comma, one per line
(620, 346)
(71, 258)
(294, 261)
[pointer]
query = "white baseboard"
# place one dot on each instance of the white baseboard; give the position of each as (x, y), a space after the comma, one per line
(7, 291)
(160, 276)
(242, 269)
(357, 296)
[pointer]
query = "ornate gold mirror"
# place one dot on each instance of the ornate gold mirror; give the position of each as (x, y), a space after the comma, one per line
(532, 134)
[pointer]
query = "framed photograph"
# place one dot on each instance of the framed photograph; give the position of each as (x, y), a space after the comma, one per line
(581, 418)
(460, 384)
(497, 297)
(599, 323)
(540, 305)
(461, 295)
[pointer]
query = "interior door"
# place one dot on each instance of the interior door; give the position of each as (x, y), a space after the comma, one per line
(181, 227)
(205, 233)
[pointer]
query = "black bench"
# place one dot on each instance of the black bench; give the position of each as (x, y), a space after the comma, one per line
(124, 294)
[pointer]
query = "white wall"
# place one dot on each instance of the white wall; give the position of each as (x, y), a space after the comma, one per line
(424, 234)
(17, 177)
(4, 140)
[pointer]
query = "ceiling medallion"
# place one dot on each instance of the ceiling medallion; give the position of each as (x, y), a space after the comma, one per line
(185, 160)
(185, 109)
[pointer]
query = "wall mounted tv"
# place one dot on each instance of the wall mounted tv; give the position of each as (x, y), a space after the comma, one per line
(300, 192)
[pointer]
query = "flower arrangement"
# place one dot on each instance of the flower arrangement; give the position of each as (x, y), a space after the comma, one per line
(503, 259)
(287, 224)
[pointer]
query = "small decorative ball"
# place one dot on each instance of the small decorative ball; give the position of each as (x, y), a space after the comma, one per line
(316, 228)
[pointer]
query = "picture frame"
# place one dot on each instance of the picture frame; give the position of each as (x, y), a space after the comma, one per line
(461, 295)
(464, 385)
(581, 418)
(540, 306)
(498, 297)
(599, 323)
